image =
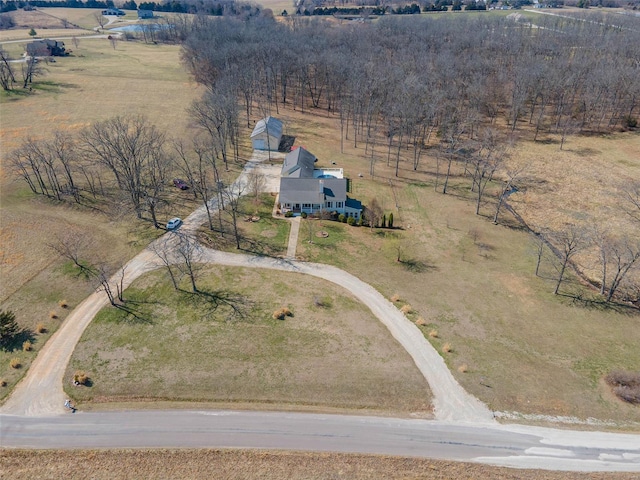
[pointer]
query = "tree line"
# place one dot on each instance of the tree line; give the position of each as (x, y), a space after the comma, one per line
(139, 158)
(212, 7)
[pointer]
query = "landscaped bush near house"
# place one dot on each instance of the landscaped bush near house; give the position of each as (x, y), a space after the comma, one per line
(351, 221)
(303, 214)
(342, 218)
(625, 385)
(288, 214)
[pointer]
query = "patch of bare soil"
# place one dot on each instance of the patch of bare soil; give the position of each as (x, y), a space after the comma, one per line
(266, 465)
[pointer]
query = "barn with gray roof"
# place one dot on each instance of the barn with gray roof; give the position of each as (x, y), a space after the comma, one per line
(267, 134)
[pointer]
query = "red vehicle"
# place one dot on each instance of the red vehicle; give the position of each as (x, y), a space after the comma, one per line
(181, 184)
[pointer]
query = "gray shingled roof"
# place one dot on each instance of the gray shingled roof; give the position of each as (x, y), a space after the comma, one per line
(307, 190)
(298, 164)
(274, 125)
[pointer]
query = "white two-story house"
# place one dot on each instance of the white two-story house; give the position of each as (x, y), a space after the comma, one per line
(305, 188)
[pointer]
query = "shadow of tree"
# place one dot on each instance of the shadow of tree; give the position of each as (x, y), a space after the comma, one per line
(15, 342)
(133, 315)
(239, 305)
(599, 304)
(417, 266)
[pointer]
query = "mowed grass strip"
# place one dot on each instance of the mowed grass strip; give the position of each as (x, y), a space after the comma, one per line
(182, 347)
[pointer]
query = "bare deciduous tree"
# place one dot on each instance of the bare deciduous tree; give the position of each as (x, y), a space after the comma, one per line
(622, 255)
(30, 68)
(98, 17)
(204, 183)
(631, 197)
(217, 114)
(373, 213)
(507, 189)
(7, 77)
(256, 182)
(232, 194)
(74, 245)
(132, 149)
(187, 251)
(164, 248)
(568, 243)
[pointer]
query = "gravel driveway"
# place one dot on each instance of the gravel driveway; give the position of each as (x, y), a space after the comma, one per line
(40, 392)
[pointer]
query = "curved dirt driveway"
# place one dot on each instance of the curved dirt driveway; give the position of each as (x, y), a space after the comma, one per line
(40, 392)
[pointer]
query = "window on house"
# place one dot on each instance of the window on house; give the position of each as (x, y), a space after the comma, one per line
(306, 205)
(338, 204)
(329, 204)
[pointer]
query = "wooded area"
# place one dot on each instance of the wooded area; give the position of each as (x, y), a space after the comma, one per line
(442, 94)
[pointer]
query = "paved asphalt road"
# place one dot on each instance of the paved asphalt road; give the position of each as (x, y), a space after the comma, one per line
(517, 446)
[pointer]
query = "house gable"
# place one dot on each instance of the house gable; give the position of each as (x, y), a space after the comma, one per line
(298, 163)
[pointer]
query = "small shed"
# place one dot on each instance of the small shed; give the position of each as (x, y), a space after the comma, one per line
(267, 134)
(145, 14)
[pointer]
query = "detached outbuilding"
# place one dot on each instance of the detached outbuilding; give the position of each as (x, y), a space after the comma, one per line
(142, 14)
(267, 134)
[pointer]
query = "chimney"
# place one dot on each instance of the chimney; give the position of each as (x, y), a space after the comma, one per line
(321, 186)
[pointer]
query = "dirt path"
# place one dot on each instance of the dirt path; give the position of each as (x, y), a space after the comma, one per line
(40, 392)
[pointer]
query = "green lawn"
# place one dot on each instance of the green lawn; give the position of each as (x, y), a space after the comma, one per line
(179, 346)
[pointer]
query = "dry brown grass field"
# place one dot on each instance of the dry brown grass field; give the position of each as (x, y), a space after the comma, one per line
(267, 465)
(53, 22)
(330, 352)
(96, 83)
(525, 349)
